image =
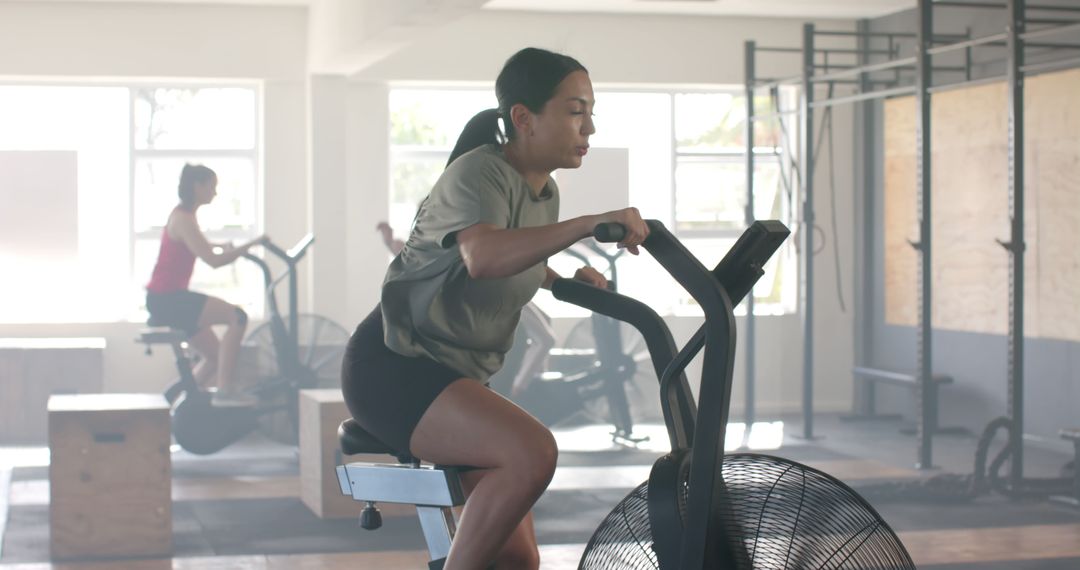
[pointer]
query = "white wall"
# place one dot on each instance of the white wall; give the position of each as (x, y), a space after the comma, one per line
(339, 125)
(151, 40)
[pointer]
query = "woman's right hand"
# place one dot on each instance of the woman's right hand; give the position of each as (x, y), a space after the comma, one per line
(636, 228)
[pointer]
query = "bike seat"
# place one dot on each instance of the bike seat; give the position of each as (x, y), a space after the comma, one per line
(161, 335)
(354, 439)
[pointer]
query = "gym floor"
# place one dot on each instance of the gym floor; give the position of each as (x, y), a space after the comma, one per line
(241, 509)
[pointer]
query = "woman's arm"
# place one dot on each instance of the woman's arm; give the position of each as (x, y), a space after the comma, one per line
(185, 227)
(550, 278)
(491, 252)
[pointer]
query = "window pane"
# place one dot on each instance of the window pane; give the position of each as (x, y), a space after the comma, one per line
(709, 195)
(430, 117)
(709, 122)
(412, 179)
(209, 118)
(234, 208)
(772, 199)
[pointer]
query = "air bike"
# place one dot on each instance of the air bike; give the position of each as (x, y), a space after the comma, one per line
(699, 509)
(291, 352)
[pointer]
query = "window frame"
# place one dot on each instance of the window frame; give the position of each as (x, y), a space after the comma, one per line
(255, 154)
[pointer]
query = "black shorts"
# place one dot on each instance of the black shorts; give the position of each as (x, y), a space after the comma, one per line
(176, 309)
(388, 393)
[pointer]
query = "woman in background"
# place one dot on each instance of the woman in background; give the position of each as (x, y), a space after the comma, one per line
(170, 302)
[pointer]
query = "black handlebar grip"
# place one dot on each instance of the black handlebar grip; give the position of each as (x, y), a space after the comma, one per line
(609, 232)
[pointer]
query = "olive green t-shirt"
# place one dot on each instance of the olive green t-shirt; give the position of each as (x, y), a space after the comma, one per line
(430, 305)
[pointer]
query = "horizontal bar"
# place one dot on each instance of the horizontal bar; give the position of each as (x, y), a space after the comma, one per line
(945, 37)
(854, 51)
(1050, 31)
(1050, 45)
(857, 82)
(1036, 68)
(969, 43)
(1050, 21)
(865, 69)
(772, 116)
(948, 4)
(1036, 7)
(880, 94)
(867, 34)
(961, 84)
(1049, 8)
(779, 49)
(772, 82)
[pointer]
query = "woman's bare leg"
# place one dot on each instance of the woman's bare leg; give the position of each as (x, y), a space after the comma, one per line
(468, 424)
(218, 312)
(520, 551)
(205, 342)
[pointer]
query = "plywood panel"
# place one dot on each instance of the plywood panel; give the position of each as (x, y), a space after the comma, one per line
(901, 223)
(970, 209)
(970, 176)
(1053, 191)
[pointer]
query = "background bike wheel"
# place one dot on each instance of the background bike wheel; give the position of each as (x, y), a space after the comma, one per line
(318, 365)
(642, 390)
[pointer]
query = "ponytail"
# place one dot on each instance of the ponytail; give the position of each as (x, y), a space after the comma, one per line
(482, 129)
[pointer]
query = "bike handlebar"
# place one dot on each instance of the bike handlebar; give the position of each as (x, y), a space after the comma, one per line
(609, 232)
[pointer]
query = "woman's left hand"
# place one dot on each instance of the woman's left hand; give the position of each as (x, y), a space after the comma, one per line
(591, 276)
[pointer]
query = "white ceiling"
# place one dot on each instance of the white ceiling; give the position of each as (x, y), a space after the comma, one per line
(847, 9)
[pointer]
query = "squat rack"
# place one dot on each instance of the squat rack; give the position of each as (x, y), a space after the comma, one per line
(864, 78)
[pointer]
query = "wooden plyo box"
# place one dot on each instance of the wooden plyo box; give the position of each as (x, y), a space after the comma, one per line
(110, 476)
(321, 412)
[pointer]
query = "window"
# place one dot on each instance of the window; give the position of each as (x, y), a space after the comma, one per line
(687, 165)
(424, 125)
(215, 126)
(710, 196)
(104, 162)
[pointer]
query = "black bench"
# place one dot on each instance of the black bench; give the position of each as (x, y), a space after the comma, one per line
(1073, 435)
(871, 377)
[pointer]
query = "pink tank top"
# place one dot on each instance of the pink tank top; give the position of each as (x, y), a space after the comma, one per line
(175, 264)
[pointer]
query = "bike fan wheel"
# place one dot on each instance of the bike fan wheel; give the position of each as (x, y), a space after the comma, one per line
(277, 377)
(642, 388)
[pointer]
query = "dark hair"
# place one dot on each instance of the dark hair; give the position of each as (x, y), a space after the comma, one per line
(191, 175)
(529, 77)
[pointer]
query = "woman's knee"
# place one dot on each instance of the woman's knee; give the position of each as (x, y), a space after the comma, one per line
(238, 318)
(535, 461)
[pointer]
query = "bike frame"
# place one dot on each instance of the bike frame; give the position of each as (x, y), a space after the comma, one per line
(286, 340)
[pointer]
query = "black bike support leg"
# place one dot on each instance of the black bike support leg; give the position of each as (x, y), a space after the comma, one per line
(705, 542)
